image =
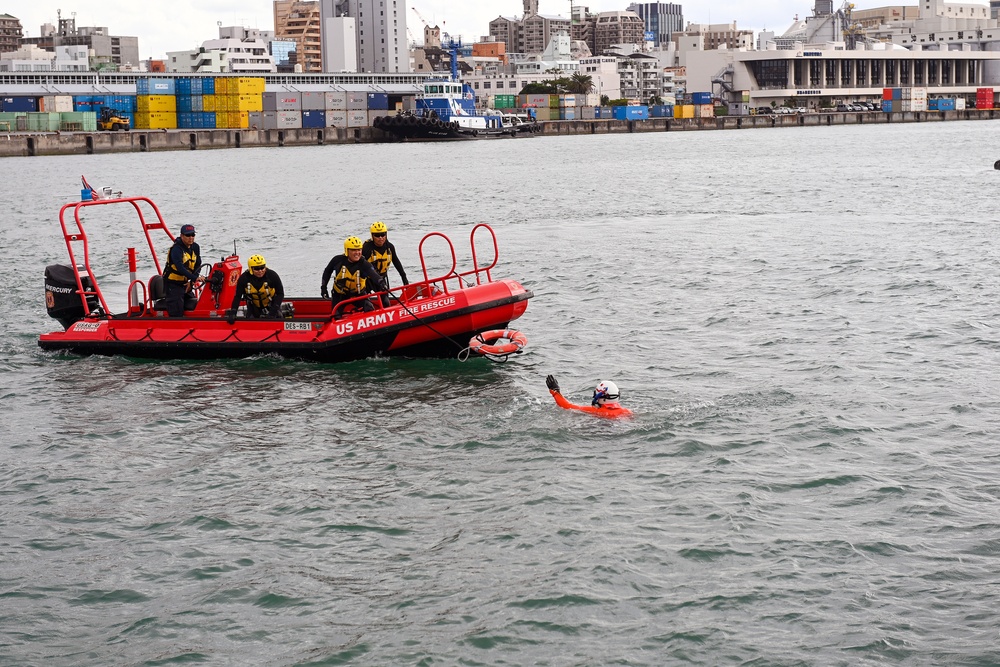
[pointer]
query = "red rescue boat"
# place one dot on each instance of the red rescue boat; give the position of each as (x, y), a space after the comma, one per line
(432, 318)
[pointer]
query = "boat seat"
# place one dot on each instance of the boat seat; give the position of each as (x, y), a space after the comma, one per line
(158, 294)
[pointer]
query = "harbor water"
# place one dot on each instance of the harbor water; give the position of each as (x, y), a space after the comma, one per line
(804, 321)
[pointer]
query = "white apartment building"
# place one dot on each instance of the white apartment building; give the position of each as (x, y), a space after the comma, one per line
(381, 44)
(31, 58)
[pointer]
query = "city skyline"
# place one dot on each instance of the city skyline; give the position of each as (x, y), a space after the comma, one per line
(159, 30)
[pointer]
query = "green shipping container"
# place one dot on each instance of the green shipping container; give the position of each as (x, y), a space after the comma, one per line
(8, 120)
(78, 121)
(44, 121)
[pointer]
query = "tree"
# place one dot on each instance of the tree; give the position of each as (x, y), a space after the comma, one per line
(580, 84)
(605, 101)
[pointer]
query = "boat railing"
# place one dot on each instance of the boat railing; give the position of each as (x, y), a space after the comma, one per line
(76, 237)
(476, 273)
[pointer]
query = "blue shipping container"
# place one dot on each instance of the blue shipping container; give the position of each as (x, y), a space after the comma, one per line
(946, 105)
(208, 86)
(313, 119)
(897, 94)
(208, 119)
(631, 113)
(13, 104)
(183, 104)
(701, 98)
(378, 101)
(887, 106)
(183, 86)
(162, 87)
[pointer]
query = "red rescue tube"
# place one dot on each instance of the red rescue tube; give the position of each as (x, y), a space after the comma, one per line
(485, 343)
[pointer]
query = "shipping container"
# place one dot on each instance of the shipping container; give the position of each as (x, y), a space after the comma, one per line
(959, 104)
(156, 120)
(15, 104)
(887, 94)
(281, 102)
(567, 113)
(567, 100)
(631, 113)
(704, 111)
(313, 101)
(156, 104)
(183, 104)
(699, 99)
(208, 85)
(282, 120)
(249, 102)
(314, 118)
(378, 101)
(543, 113)
(78, 121)
(946, 105)
(357, 117)
(336, 102)
(161, 87)
(683, 111)
(336, 117)
(208, 103)
(357, 102)
(44, 121)
(183, 87)
(255, 120)
(588, 113)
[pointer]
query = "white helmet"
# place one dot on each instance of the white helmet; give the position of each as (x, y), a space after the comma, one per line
(605, 391)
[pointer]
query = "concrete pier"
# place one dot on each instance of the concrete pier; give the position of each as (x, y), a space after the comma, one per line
(29, 144)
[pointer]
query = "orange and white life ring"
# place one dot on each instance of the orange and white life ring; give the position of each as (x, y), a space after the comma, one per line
(486, 342)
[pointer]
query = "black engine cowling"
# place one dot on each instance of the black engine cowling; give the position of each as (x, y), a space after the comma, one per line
(62, 300)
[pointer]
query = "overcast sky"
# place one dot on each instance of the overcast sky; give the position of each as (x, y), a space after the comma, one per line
(184, 24)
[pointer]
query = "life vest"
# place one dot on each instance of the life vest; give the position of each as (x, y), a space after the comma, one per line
(259, 297)
(190, 261)
(346, 283)
(380, 259)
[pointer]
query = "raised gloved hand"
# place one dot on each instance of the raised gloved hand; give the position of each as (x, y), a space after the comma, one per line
(324, 293)
(551, 383)
(231, 316)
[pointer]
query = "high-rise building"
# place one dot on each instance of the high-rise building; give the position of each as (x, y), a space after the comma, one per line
(299, 21)
(381, 32)
(11, 33)
(662, 19)
(530, 34)
(603, 30)
(107, 51)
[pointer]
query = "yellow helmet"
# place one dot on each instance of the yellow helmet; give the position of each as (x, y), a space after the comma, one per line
(256, 261)
(352, 243)
(379, 228)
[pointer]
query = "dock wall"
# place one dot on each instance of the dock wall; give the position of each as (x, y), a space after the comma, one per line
(25, 144)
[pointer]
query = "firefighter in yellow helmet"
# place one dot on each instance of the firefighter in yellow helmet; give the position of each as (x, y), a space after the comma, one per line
(380, 253)
(262, 289)
(352, 276)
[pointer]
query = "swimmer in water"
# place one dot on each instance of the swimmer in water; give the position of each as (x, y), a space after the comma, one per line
(605, 403)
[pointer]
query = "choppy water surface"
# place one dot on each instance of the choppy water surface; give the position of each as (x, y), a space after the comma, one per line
(805, 322)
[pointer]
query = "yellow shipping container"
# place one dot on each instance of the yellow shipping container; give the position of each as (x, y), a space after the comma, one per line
(156, 104)
(222, 85)
(684, 111)
(156, 121)
(247, 85)
(208, 103)
(249, 103)
(236, 119)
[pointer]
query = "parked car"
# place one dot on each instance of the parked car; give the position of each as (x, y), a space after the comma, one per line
(843, 107)
(764, 111)
(801, 110)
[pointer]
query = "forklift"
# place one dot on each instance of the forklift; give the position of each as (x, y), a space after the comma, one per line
(112, 119)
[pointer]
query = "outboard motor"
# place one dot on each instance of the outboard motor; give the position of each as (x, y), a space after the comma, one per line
(61, 298)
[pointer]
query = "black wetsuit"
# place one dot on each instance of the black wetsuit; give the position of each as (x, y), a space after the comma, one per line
(183, 266)
(351, 279)
(381, 258)
(263, 295)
